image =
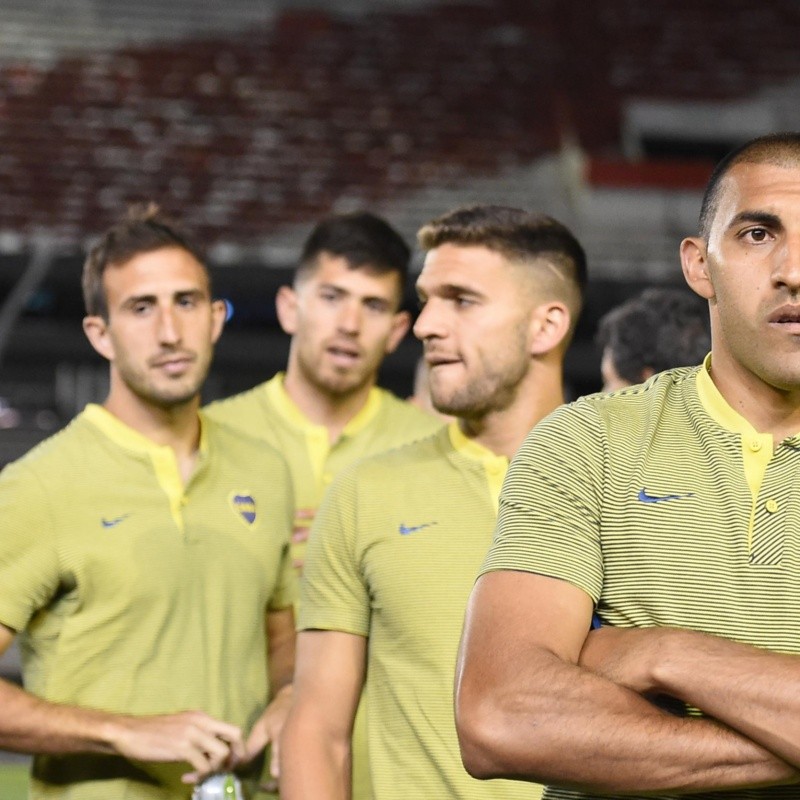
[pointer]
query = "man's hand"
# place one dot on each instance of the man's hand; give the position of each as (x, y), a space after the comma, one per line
(207, 744)
(303, 517)
(267, 730)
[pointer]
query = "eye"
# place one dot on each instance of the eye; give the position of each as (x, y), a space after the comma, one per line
(756, 235)
(187, 301)
(377, 305)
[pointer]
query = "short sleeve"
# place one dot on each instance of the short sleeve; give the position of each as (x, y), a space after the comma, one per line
(29, 571)
(550, 504)
(334, 595)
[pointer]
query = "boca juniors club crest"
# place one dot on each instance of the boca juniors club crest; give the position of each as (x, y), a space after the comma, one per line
(244, 507)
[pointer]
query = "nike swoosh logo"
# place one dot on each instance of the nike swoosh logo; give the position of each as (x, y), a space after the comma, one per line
(652, 498)
(406, 529)
(110, 523)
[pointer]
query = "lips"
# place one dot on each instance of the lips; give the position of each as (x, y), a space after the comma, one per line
(786, 315)
(440, 359)
(343, 354)
(173, 364)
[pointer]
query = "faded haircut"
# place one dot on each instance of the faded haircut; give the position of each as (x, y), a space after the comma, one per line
(780, 149)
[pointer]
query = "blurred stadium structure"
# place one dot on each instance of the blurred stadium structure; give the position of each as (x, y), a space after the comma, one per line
(249, 121)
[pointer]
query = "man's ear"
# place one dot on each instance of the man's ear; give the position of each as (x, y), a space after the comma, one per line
(219, 315)
(96, 330)
(550, 323)
(694, 262)
(286, 306)
(401, 322)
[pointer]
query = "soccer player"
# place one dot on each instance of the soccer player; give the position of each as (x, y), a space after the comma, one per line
(656, 330)
(400, 537)
(144, 558)
(670, 509)
(325, 412)
(343, 314)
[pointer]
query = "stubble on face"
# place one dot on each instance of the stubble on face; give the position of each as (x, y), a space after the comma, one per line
(341, 338)
(491, 378)
(164, 372)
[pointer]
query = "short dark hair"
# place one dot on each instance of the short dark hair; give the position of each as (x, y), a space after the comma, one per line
(658, 329)
(143, 229)
(363, 240)
(514, 233)
(519, 236)
(781, 149)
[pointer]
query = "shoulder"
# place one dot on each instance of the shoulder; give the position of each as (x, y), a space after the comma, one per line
(58, 467)
(671, 392)
(405, 414)
(55, 453)
(607, 426)
(238, 409)
(415, 458)
(233, 443)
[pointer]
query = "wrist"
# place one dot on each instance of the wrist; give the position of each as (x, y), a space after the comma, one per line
(667, 667)
(285, 691)
(109, 733)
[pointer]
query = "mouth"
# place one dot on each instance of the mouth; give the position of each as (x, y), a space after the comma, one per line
(343, 354)
(173, 365)
(439, 360)
(786, 318)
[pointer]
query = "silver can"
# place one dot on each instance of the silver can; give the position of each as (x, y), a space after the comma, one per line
(222, 786)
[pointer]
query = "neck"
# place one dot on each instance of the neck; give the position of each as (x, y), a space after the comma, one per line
(503, 431)
(177, 427)
(766, 408)
(322, 407)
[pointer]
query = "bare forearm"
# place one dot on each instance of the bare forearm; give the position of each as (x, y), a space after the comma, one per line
(282, 649)
(31, 725)
(314, 766)
(552, 722)
(754, 691)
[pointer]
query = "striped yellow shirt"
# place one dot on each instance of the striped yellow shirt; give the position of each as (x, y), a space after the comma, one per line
(667, 508)
(393, 555)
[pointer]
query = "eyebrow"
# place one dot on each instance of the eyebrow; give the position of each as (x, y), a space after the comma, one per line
(151, 298)
(757, 217)
(450, 290)
(367, 298)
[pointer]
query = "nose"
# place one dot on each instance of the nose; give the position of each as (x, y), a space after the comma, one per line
(787, 268)
(169, 331)
(429, 322)
(350, 318)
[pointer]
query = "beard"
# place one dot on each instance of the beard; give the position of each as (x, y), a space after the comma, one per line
(164, 393)
(494, 390)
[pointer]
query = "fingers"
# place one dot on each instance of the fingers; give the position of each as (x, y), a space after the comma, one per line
(303, 517)
(212, 746)
(274, 761)
(205, 743)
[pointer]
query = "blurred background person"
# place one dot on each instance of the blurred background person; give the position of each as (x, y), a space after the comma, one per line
(343, 313)
(656, 330)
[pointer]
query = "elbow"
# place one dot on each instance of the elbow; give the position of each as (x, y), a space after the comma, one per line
(479, 739)
(502, 737)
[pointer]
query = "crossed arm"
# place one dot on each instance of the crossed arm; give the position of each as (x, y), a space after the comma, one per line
(531, 705)
(29, 724)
